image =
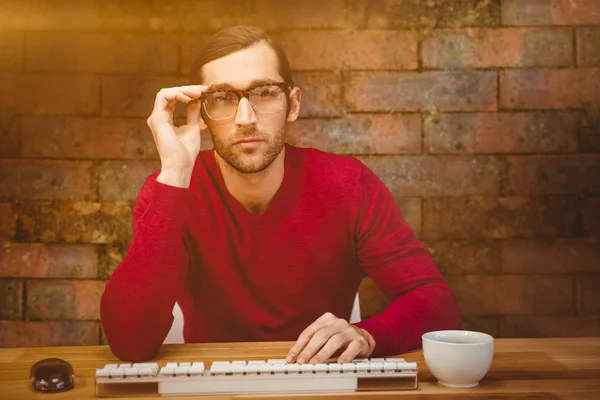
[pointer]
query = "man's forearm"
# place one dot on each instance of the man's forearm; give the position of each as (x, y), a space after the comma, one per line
(400, 326)
(136, 307)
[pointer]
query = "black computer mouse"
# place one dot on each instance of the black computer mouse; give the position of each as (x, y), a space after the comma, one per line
(52, 375)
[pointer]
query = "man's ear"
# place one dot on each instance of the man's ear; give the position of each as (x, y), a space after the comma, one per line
(294, 98)
(202, 117)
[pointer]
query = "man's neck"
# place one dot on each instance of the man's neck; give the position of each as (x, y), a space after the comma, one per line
(254, 191)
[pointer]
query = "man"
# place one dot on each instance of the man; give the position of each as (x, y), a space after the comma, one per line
(259, 240)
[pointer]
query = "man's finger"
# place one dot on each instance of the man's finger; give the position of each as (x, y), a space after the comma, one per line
(319, 339)
(193, 113)
(166, 96)
(307, 334)
(334, 343)
(353, 349)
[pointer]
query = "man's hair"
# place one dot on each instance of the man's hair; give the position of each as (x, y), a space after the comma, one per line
(230, 40)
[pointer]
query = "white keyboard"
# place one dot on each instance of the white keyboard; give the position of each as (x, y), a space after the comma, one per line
(256, 376)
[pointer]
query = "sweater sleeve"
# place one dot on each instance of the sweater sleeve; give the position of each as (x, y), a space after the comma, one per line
(419, 298)
(137, 304)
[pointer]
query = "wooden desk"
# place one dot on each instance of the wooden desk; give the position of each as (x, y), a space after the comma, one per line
(522, 368)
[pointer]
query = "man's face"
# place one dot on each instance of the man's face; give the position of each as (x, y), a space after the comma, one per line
(251, 139)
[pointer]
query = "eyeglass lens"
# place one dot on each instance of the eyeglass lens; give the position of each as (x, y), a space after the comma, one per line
(264, 100)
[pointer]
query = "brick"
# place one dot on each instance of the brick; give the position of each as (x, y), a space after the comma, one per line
(533, 175)
(102, 52)
(132, 96)
(52, 333)
(549, 326)
(427, 91)
(321, 93)
(410, 207)
(7, 222)
(513, 294)
(588, 296)
(88, 138)
(272, 14)
(591, 217)
(437, 176)
(553, 89)
(359, 134)
(505, 47)
(313, 50)
(11, 51)
(9, 132)
(372, 300)
(499, 218)
(464, 257)
(109, 260)
(59, 94)
(49, 261)
(588, 43)
(11, 299)
(74, 222)
(393, 14)
(122, 180)
(550, 12)
(489, 325)
(589, 137)
(522, 132)
(56, 299)
(548, 256)
(44, 180)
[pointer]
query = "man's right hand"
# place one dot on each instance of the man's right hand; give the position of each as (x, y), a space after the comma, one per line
(178, 146)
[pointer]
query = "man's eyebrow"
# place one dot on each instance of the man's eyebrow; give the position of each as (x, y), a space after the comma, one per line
(254, 83)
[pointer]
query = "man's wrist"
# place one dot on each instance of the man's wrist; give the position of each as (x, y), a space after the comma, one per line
(175, 177)
(368, 337)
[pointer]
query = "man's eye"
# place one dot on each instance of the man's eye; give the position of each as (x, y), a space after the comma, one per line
(266, 91)
(221, 97)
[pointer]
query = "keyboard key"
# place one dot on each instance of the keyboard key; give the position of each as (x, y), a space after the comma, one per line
(104, 373)
(348, 367)
(182, 371)
(146, 371)
(152, 366)
(307, 368)
(277, 361)
(116, 373)
(131, 372)
(335, 368)
(292, 368)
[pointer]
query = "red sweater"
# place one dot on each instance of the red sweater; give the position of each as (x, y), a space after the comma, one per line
(241, 277)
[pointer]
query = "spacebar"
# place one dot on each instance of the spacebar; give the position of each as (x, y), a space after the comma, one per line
(285, 383)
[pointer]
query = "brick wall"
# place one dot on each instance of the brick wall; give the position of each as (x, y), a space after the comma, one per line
(482, 116)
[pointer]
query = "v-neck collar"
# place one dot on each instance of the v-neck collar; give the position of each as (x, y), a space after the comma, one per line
(284, 198)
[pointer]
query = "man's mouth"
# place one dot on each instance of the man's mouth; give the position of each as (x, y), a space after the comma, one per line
(249, 143)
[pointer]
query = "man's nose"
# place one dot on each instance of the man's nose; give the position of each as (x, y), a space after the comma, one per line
(245, 113)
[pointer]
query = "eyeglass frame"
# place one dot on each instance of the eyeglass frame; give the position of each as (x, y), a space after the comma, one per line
(285, 86)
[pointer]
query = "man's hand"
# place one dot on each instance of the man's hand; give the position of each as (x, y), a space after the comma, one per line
(179, 146)
(328, 336)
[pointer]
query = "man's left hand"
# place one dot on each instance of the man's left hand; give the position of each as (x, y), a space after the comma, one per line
(328, 336)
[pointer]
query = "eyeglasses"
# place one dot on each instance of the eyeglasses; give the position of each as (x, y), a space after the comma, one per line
(222, 104)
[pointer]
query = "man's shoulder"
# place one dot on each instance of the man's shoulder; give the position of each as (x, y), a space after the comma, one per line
(324, 169)
(320, 162)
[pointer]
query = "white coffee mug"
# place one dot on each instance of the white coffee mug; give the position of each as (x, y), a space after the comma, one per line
(458, 359)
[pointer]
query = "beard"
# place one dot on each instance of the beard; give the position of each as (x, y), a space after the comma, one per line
(253, 160)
